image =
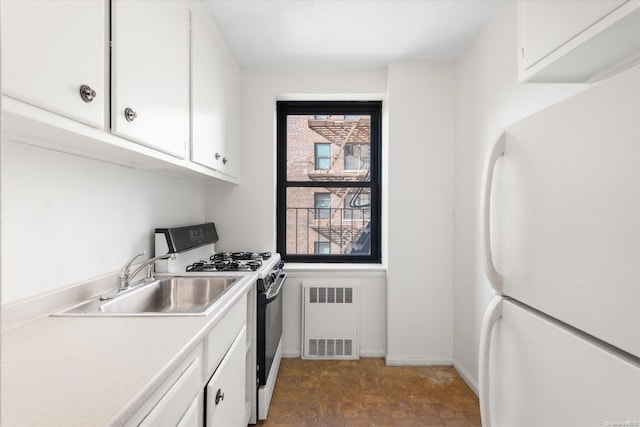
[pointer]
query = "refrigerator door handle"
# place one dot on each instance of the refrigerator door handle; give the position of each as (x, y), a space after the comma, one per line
(493, 314)
(496, 152)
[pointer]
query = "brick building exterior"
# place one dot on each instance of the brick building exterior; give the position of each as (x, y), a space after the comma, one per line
(331, 219)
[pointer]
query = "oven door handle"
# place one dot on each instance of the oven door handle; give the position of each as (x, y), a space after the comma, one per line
(273, 294)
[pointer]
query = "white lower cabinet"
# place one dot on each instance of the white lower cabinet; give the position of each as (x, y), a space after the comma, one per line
(209, 386)
(170, 411)
(193, 415)
(225, 392)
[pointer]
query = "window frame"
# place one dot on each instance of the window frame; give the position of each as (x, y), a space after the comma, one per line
(317, 108)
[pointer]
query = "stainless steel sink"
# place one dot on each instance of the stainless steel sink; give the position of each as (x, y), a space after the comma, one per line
(163, 296)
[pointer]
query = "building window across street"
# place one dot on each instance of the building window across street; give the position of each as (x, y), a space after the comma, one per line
(322, 205)
(329, 168)
(322, 156)
(322, 248)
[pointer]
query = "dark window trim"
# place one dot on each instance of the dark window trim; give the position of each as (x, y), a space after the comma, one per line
(374, 110)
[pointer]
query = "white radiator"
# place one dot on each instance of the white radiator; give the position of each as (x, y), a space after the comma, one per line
(331, 317)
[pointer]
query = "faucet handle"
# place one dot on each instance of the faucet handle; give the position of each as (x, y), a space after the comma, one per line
(125, 272)
(127, 265)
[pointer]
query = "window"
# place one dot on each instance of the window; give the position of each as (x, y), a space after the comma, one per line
(357, 206)
(356, 157)
(322, 205)
(322, 156)
(322, 248)
(329, 169)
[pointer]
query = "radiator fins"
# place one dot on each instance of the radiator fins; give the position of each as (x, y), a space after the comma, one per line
(330, 295)
(322, 347)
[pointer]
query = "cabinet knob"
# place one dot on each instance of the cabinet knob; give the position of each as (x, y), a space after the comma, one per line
(224, 161)
(87, 94)
(129, 114)
(217, 156)
(219, 396)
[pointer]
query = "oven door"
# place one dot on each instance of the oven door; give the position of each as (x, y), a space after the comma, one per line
(269, 324)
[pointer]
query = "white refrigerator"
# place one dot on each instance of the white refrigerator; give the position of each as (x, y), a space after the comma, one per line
(560, 342)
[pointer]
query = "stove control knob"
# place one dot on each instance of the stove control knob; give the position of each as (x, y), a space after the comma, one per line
(272, 277)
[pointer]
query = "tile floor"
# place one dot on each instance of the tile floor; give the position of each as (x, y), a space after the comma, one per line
(368, 393)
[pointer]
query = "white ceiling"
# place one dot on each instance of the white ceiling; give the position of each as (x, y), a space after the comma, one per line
(349, 32)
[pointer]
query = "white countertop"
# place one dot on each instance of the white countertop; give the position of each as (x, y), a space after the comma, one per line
(84, 371)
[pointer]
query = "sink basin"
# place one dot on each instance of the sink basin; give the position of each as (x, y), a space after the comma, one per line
(163, 296)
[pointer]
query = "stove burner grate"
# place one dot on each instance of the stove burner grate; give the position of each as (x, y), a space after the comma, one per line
(220, 264)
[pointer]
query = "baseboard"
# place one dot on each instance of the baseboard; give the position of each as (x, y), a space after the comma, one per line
(291, 354)
(372, 353)
(415, 361)
(471, 382)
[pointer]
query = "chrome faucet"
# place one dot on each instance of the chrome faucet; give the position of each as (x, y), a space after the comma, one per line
(149, 264)
(125, 273)
(124, 279)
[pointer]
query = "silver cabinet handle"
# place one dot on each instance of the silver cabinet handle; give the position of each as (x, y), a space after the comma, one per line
(219, 396)
(129, 114)
(217, 156)
(87, 94)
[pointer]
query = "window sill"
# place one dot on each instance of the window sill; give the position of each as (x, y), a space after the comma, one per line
(359, 270)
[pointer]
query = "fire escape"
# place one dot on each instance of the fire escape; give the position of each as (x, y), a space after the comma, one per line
(334, 227)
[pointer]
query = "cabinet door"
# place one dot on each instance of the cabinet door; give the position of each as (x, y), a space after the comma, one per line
(206, 97)
(50, 49)
(231, 96)
(193, 416)
(547, 25)
(225, 391)
(150, 73)
(176, 406)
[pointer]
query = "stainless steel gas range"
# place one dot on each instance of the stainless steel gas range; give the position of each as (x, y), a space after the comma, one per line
(194, 249)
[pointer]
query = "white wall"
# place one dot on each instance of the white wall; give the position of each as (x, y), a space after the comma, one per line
(255, 197)
(245, 214)
(373, 316)
(417, 307)
(421, 133)
(66, 218)
(488, 98)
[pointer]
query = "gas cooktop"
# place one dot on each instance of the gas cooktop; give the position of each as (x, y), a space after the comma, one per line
(231, 261)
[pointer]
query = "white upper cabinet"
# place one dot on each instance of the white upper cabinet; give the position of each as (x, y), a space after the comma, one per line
(125, 67)
(150, 73)
(577, 41)
(215, 92)
(206, 97)
(52, 49)
(231, 99)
